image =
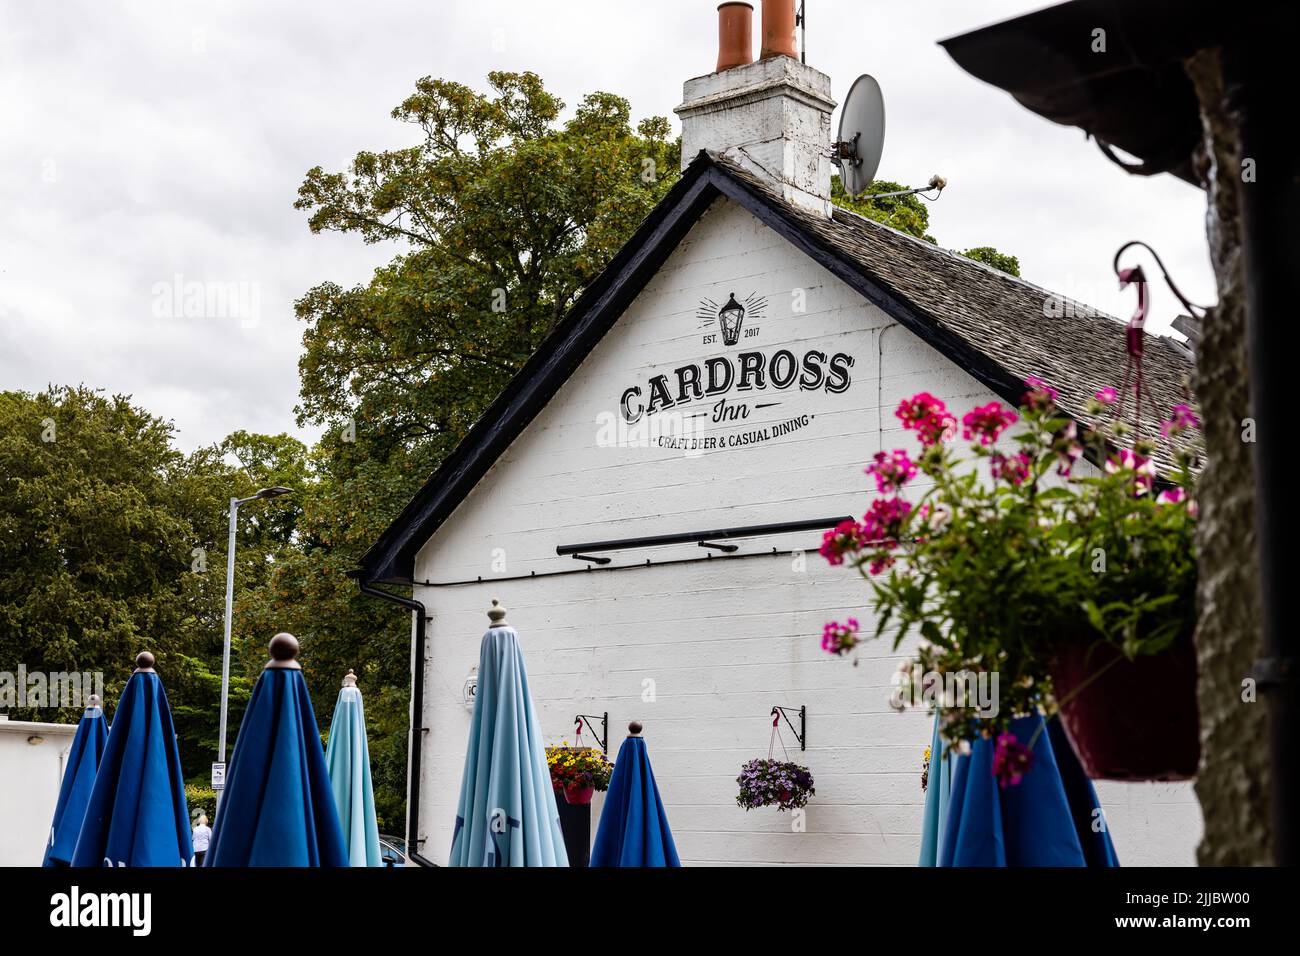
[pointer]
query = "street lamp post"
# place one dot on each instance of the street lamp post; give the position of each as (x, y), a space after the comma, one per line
(273, 492)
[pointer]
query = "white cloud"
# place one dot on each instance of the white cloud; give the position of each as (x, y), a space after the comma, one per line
(149, 139)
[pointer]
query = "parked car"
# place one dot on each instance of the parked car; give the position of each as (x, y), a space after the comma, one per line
(392, 850)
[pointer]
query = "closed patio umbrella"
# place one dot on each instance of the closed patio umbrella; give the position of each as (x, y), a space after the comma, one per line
(1030, 823)
(633, 829)
(78, 779)
(278, 806)
(938, 793)
(137, 814)
(507, 814)
(348, 760)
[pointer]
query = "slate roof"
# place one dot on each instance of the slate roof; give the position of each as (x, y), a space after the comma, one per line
(990, 324)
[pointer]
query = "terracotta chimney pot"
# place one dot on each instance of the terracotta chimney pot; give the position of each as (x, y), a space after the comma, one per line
(778, 29)
(735, 34)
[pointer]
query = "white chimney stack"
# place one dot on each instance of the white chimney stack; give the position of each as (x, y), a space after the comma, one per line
(772, 117)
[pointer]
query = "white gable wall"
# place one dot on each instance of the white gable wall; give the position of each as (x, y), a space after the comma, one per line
(700, 652)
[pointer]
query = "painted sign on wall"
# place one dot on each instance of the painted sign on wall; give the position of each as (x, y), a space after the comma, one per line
(730, 387)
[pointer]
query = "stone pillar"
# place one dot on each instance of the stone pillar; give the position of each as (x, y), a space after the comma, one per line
(1234, 779)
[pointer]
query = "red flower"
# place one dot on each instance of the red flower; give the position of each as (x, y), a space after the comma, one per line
(892, 470)
(928, 417)
(1013, 469)
(882, 525)
(987, 422)
(845, 538)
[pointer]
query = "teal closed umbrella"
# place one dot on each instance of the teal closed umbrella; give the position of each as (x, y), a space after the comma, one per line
(348, 760)
(507, 814)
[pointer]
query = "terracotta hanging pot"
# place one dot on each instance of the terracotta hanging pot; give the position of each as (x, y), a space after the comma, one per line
(578, 795)
(1130, 720)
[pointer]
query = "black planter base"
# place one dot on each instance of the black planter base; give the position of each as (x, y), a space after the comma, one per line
(575, 824)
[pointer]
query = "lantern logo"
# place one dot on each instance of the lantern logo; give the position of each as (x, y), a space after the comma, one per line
(730, 317)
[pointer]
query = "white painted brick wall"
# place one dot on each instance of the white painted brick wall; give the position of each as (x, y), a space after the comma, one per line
(722, 640)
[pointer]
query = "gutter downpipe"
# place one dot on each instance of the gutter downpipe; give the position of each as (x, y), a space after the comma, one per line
(417, 718)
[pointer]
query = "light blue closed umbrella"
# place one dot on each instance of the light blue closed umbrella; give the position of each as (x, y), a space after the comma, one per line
(506, 815)
(938, 792)
(348, 760)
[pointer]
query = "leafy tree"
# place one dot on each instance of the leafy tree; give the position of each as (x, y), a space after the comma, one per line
(113, 542)
(503, 213)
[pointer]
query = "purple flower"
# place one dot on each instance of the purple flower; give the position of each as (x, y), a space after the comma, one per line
(1011, 760)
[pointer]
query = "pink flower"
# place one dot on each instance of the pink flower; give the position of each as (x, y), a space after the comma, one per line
(1067, 447)
(1142, 467)
(844, 538)
(1107, 396)
(882, 525)
(1173, 496)
(1013, 469)
(840, 638)
(880, 564)
(1181, 418)
(928, 417)
(1011, 760)
(987, 422)
(891, 469)
(1040, 394)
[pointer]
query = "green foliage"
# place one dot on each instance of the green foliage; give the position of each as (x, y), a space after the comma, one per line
(201, 799)
(998, 260)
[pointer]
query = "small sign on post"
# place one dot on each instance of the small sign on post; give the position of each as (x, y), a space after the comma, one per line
(218, 776)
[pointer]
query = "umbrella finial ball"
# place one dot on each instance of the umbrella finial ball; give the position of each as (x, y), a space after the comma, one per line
(497, 614)
(144, 661)
(634, 728)
(284, 648)
(95, 701)
(350, 678)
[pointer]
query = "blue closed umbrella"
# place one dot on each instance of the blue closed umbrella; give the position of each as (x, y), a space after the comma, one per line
(348, 760)
(633, 829)
(1031, 823)
(137, 814)
(78, 779)
(278, 806)
(506, 815)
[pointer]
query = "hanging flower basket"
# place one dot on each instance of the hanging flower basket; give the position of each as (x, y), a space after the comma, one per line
(774, 783)
(1074, 588)
(1130, 719)
(578, 772)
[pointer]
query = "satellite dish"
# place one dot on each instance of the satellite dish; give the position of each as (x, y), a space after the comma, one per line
(862, 135)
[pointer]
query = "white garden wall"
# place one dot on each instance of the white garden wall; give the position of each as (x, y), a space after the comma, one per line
(700, 652)
(32, 758)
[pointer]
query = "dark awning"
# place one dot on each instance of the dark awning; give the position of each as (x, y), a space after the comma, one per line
(1135, 95)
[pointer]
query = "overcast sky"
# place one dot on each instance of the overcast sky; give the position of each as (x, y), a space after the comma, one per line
(145, 141)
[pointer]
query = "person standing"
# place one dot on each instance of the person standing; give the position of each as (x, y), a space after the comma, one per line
(202, 837)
